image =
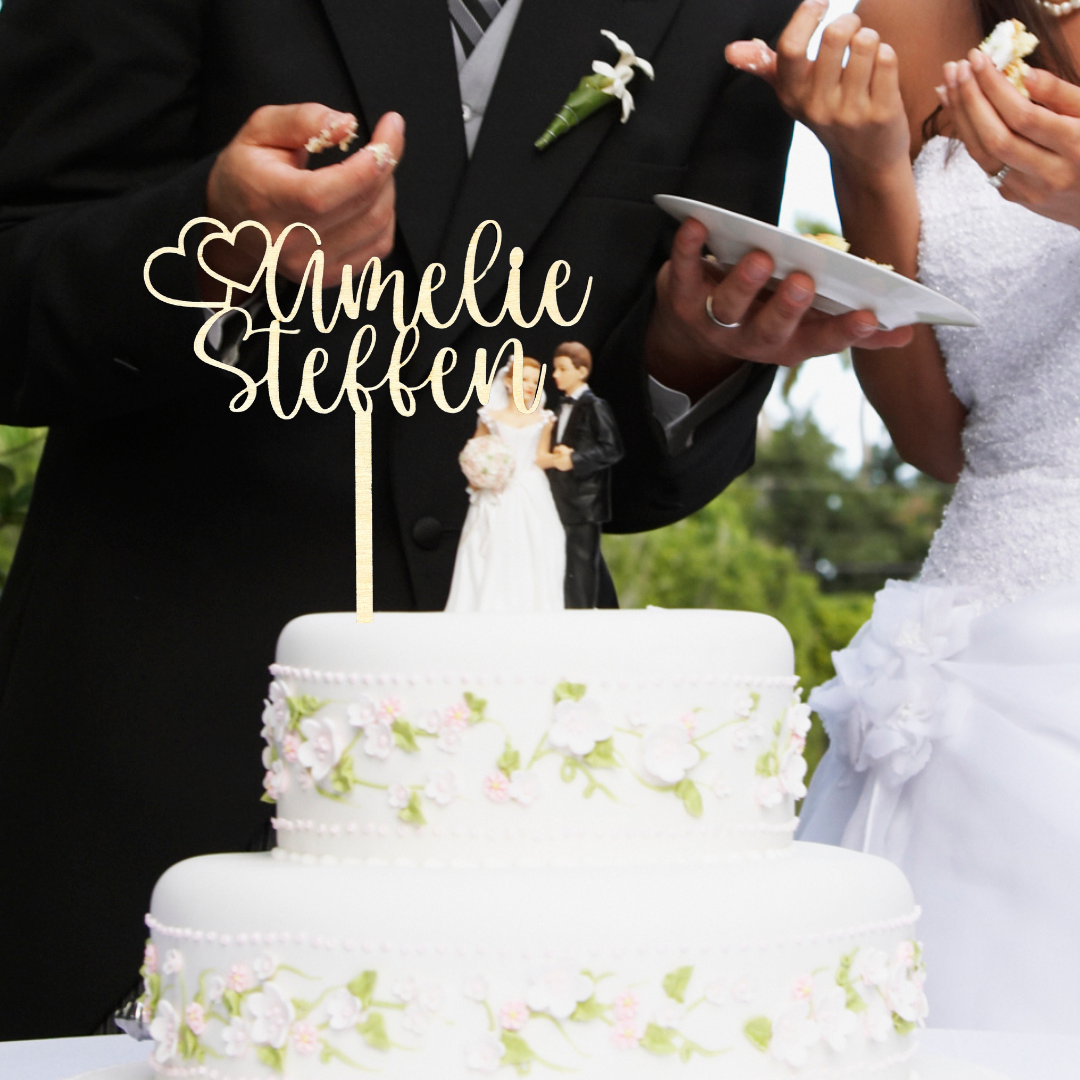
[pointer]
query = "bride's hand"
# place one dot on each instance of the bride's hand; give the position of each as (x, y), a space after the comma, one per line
(854, 109)
(1038, 139)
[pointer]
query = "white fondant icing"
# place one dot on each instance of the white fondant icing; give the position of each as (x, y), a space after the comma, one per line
(672, 723)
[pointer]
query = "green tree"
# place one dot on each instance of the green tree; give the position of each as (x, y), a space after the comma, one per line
(20, 452)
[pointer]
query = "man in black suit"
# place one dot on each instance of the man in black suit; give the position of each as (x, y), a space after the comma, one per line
(170, 539)
(587, 445)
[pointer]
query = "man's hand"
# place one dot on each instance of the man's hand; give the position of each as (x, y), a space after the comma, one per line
(262, 175)
(564, 458)
(688, 351)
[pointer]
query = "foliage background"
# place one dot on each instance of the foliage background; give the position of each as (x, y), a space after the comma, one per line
(796, 538)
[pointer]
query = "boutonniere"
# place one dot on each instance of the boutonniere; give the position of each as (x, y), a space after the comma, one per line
(606, 85)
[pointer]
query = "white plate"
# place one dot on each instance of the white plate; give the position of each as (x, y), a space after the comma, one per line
(843, 282)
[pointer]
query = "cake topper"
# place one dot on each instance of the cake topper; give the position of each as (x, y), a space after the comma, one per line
(587, 445)
(512, 552)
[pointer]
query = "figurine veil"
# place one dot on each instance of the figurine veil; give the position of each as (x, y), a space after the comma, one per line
(512, 552)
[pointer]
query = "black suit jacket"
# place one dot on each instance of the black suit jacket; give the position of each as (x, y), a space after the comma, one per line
(583, 494)
(169, 540)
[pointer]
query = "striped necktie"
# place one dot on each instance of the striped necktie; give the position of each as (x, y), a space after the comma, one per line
(471, 18)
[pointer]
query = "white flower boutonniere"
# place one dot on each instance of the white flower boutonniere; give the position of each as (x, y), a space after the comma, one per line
(607, 84)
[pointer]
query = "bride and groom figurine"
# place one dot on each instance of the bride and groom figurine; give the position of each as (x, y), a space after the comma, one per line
(539, 491)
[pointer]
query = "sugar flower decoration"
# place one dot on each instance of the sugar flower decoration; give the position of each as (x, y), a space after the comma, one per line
(608, 83)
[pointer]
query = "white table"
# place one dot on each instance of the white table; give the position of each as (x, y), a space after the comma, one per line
(1019, 1057)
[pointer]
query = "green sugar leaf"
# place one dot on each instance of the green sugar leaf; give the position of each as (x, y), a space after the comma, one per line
(189, 1043)
(517, 1052)
(759, 1031)
(363, 987)
(477, 707)
(274, 1059)
(602, 755)
(903, 1027)
(404, 736)
(567, 691)
(373, 1030)
(509, 761)
(659, 1040)
(232, 1002)
(676, 982)
(768, 764)
(412, 814)
(687, 790)
(588, 1010)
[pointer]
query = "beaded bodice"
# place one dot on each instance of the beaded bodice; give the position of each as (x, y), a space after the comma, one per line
(1013, 525)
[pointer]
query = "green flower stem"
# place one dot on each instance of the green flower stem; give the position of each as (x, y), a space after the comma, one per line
(327, 1052)
(388, 1005)
(539, 752)
(562, 1032)
(574, 765)
(490, 1015)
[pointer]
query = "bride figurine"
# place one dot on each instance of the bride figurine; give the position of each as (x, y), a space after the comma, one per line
(512, 552)
(954, 719)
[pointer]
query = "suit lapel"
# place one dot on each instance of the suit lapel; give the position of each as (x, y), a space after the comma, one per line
(400, 56)
(553, 44)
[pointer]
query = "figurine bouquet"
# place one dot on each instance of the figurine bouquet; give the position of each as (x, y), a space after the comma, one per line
(487, 462)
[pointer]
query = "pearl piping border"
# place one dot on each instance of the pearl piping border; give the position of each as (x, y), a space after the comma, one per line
(176, 1072)
(384, 829)
(341, 678)
(258, 939)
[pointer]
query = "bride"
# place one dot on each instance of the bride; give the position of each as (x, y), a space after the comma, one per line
(954, 718)
(512, 552)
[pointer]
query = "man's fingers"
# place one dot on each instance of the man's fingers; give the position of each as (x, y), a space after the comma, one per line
(753, 56)
(337, 191)
(732, 297)
(778, 320)
(685, 272)
(289, 127)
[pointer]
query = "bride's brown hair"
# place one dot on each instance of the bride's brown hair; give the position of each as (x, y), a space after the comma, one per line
(1052, 52)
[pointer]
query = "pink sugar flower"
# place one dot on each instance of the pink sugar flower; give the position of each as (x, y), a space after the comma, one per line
(626, 1034)
(150, 958)
(305, 1037)
(290, 746)
(240, 978)
(513, 1015)
(391, 708)
(626, 1005)
(497, 787)
(195, 1016)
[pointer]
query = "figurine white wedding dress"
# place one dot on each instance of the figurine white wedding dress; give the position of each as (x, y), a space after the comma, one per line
(512, 552)
(955, 716)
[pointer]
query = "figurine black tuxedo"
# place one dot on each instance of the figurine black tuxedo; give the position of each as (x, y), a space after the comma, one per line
(587, 445)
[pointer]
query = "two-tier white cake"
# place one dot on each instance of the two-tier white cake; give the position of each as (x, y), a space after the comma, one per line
(535, 843)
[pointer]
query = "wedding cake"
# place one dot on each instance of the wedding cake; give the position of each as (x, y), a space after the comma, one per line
(534, 843)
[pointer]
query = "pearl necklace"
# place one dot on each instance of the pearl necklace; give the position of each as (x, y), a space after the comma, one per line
(1066, 7)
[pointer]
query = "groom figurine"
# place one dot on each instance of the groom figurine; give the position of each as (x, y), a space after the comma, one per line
(587, 445)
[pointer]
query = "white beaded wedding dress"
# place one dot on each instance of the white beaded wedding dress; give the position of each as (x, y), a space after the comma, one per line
(954, 718)
(512, 552)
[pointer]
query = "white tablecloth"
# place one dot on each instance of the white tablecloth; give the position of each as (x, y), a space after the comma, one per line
(1019, 1057)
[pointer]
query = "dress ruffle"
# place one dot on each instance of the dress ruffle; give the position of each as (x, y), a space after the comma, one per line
(955, 752)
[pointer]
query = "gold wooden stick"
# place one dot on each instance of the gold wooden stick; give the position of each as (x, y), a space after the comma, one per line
(364, 600)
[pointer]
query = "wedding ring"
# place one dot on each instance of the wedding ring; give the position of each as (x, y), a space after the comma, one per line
(995, 180)
(715, 320)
